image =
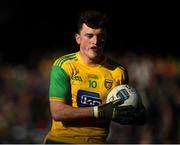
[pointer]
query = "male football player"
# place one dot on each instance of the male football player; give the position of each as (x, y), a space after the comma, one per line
(79, 85)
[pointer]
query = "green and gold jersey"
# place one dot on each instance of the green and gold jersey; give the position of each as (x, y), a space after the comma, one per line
(81, 85)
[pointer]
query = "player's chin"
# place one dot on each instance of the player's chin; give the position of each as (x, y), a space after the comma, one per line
(93, 53)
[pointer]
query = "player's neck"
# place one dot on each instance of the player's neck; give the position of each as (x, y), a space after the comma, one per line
(94, 61)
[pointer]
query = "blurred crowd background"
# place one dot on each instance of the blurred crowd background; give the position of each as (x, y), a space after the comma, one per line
(24, 111)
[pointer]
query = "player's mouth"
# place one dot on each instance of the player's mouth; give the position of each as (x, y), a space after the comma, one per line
(94, 48)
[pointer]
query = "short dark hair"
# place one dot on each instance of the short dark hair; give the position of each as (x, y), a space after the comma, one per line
(92, 18)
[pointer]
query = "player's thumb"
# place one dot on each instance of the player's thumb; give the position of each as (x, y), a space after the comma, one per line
(118, 102)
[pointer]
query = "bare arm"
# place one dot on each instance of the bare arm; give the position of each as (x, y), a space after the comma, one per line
(63, 112)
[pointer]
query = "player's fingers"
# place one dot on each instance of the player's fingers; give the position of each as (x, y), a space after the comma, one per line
(118, 102)
(124, 120)
(126, 110)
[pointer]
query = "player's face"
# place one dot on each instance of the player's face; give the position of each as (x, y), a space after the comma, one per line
(91, 43)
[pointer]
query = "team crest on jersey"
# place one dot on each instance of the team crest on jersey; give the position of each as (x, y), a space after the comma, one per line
(108, 84)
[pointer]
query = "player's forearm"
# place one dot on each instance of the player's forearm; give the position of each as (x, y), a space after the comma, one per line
(63, 112)
(71, 113)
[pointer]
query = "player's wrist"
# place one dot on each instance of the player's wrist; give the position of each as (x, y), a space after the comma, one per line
(95, 110)
(103, 111)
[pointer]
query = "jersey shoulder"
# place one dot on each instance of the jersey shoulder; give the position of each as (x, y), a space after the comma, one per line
(115, 64)
(64, 59)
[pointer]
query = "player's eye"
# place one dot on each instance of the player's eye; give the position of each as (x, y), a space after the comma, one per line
(89, 35)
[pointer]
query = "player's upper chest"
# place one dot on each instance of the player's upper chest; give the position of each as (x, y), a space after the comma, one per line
(92, 77)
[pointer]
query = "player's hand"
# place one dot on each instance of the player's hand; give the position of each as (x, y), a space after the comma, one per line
(140, 116)
(130, 115)
(105, 111)
(122, 114)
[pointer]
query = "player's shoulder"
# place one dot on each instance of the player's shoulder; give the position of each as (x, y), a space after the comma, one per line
(116, 64)
(65, 58)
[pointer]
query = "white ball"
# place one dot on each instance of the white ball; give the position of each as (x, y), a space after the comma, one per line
(126, 92)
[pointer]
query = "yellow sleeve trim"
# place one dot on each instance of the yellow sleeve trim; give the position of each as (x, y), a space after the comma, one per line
(56, 99)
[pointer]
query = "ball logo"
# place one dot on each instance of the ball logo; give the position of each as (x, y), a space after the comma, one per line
(127, 93)
(122, 94)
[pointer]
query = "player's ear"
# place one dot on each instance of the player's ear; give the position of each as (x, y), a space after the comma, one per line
(77, 37)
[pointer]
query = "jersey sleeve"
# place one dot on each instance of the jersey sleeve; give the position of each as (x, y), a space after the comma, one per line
(59, 84)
